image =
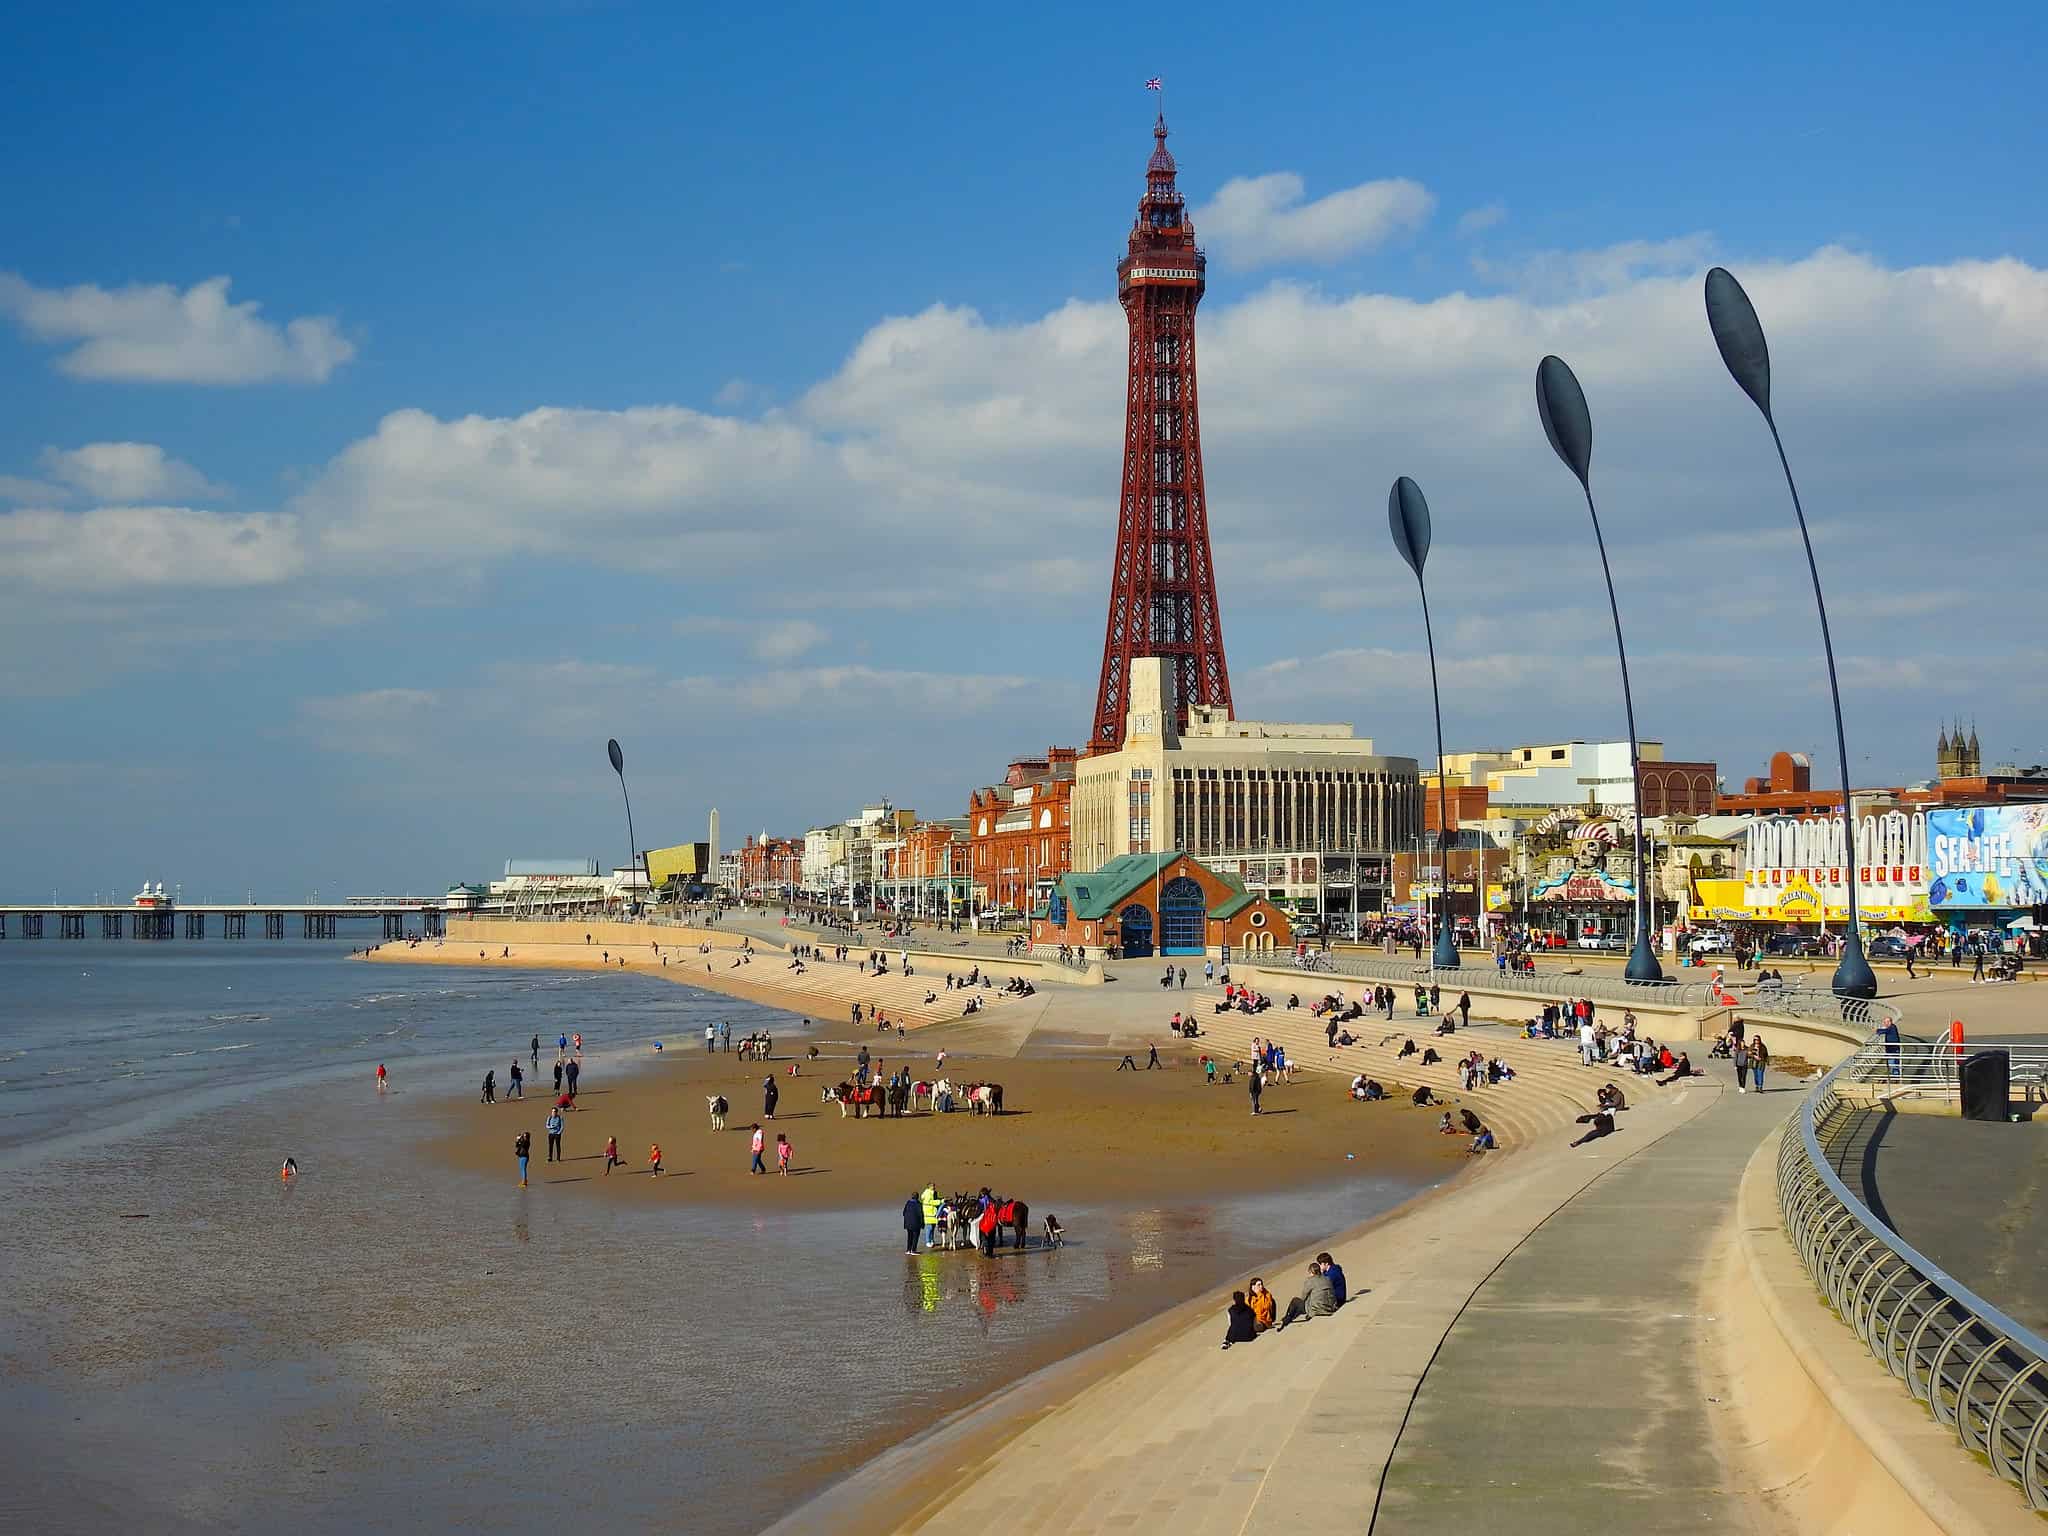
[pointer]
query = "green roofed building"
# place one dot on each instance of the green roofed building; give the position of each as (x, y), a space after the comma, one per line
(1140, 904)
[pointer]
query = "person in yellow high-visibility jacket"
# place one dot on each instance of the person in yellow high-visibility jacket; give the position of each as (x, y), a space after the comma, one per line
(929, 1198)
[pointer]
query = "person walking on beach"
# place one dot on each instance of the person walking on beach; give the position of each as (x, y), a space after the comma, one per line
(611, 1155)
(536, 1053)
(783, 1152)
(558, 1074)
(382, 1085)
(725, 1034)
(1152, 1058)
(522, 1145)
(928, 1198)
(769, 1094)
(710, 1038)
(490, 1087)
(554, 1136)
(518, 1088)
(653, 1159)
(561, 1046)
(1257, 1086)
(575, 1071)
(913, 1222)
(759, 1142)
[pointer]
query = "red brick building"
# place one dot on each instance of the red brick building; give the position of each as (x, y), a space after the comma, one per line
(1144, 904)
(772, 866)
(1019, 832)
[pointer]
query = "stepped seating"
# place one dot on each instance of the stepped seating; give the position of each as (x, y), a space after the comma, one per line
(836, 986)
(1550, 1090)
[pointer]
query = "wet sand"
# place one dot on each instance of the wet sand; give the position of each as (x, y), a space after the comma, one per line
(1075, 1130)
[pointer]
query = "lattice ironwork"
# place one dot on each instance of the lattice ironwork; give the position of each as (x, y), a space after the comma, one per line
(1162, 599)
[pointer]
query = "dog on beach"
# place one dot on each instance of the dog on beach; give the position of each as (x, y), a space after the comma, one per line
(718, 1107)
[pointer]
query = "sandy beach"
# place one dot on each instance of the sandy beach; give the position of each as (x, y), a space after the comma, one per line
(1074, 1130)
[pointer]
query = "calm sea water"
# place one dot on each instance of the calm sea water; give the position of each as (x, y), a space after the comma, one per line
(186, 1344)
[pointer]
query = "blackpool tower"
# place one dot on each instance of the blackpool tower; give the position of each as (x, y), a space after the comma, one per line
(1162, 597)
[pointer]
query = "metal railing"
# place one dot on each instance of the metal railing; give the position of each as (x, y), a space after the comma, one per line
(1937, 1065)
(1979, 1372)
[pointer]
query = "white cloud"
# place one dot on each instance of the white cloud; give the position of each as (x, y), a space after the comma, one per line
(1255, 221)
(154, 333)
(123, 549)
(766, 639)
(126, 473)
(1563, 275)
(1476, 220)
(18, 488)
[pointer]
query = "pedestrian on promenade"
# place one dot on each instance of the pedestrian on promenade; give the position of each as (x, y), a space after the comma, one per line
(382, 1085)
(1977, 965)
(522, 1146)
(1911, 975)
(554, 1136)
(1464, 1010)
(490, 1087)
(611, 1155)
(1738, 1057)
(759, 1142)
(1183, 978)
(1759, 1058)
(1208, 972)
(783, 1152)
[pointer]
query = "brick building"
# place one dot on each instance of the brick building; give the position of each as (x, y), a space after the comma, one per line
(1020, 832)
(1142, 904)
(770, 866)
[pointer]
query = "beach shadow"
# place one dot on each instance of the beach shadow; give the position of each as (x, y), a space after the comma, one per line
(799, 1173)
(581, 1178)
(809, 1114)
(1267, 1114)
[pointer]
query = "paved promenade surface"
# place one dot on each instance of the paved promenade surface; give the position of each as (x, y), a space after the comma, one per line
(1967, 1193)
(1523, 1356)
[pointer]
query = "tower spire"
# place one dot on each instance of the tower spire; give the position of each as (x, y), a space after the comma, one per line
(1162, 599)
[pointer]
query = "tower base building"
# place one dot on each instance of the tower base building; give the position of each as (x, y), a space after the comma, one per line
(1307, 816)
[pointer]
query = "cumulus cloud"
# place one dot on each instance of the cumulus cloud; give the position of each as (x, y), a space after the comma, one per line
(1565, 275)
(19, 488)
(766, 639)
(154, 333)
(126, 473)
(124, 549)
(1255, 221)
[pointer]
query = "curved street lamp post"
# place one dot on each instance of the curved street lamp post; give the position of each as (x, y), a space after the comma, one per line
(618, 758)
(1408, 520)
(1569, 426)
(1740, 336)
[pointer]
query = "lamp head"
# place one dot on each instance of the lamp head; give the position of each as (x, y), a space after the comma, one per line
(618, 758)
(1566, 420)
(1408, 520)
(1740, 336)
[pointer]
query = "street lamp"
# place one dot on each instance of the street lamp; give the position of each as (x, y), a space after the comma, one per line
(1569, 426)
(1408, 520)
(1740, 336)
(619, 767)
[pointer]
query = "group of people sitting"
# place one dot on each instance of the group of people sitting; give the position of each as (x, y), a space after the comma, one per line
(1243, 999)
(1252, 1310)
(1469, 1125)
(1609, 1102)
(1186, 1028)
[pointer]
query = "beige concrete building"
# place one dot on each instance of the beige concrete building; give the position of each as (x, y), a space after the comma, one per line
(1308, 816)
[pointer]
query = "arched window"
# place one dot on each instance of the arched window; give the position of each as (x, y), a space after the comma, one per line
(1135, 931)
(1183, 917)
(1056, 908)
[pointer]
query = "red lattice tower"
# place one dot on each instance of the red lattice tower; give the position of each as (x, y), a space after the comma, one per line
(1162, 600)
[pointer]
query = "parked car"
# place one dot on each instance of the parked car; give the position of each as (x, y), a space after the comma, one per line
(1781, 945)
(1710, 941)
(1598, 941)
(1885, 947)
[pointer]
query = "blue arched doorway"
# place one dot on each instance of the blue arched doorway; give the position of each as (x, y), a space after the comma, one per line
(1134, 931)
(1183, 917)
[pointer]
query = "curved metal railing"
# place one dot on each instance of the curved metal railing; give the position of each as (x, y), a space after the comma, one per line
(1978, 1371)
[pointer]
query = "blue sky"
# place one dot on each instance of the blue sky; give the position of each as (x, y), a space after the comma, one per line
(747, 388)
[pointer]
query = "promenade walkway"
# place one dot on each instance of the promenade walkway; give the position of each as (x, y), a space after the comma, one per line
(1523, 1356)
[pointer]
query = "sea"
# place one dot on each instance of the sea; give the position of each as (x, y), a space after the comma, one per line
(187, 1343)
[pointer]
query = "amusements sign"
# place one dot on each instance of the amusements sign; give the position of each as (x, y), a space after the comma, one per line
(1988, 856)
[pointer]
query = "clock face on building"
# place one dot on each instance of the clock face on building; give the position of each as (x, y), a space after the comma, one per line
(1144, 725)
